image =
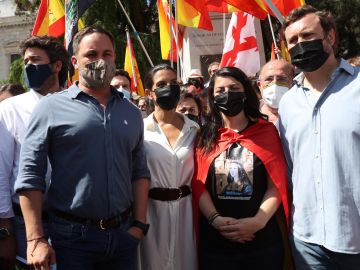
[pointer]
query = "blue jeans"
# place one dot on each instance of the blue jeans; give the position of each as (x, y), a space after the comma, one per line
(260, 259)
(309, 256)
(86, 247)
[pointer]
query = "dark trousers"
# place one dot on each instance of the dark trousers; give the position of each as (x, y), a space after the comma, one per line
(265, 258)
(308, 256)
(86, 247)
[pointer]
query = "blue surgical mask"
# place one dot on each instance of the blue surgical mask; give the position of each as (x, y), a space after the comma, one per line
(125, 92)
(36, 75)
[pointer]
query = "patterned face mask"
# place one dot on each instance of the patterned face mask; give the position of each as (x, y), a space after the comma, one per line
(97, 74)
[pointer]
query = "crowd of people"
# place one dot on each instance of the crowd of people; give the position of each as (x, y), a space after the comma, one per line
(201, 175)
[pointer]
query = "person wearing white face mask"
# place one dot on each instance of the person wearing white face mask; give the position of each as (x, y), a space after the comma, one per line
(275, 79)
(122, 82)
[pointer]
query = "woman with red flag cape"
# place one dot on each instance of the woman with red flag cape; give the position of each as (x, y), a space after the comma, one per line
(239, 181)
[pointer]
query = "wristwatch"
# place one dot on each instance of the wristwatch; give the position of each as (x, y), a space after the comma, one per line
(142, 226)
(4, 232)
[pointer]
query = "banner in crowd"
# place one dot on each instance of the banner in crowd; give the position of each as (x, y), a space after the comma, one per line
(241, 48)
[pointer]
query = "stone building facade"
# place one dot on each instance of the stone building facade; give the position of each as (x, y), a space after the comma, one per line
(13, 29)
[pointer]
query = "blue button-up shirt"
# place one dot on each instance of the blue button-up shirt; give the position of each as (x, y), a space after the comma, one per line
(95, 153)
(321, 139)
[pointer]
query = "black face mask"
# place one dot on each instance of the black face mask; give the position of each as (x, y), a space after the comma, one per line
(36, 75)
(168, 96)
(230, 103)
(308, 55)
(193, 117)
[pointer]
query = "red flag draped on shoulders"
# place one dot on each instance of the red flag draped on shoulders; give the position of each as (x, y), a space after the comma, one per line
(260, 138)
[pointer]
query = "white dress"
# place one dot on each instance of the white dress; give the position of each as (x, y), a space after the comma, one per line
(170, 242)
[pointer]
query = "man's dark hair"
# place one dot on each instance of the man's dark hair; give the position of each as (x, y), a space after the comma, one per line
(124, 73)
(327, 20)
(88, 31)
(196, 99)
(13, 88)
(53, 48)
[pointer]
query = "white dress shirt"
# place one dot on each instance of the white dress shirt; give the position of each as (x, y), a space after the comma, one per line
(170, 242)
(14, 117)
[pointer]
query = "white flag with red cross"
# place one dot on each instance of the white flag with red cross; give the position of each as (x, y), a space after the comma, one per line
(241, 49)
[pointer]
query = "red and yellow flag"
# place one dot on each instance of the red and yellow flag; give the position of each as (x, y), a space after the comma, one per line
(257, 8)
(164, 26)
(193, 13)
(260, 9)
(220, 6)
(286, 6)
(50, 19)
(131, 67)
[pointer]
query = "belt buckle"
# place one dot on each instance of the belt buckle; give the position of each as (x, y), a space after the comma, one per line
(180, 193)
(101, 224)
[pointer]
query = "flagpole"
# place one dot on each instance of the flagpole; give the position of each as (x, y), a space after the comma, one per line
(273, 37)
(275, 10)
(171, 31)
(177, 41)
(131, 56)
(136, 33)
(224, 27)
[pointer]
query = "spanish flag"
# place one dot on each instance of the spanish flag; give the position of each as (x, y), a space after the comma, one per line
(164, 26)
(50, 19)
(194, 13)
(131, 67)
(220, 6)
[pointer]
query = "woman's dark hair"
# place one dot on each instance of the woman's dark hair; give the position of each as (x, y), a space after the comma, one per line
(209, 132)
(149, 77)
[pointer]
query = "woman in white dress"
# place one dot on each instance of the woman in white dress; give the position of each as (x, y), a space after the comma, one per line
(169, 143)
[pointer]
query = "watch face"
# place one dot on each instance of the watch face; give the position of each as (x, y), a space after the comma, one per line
(4, 233)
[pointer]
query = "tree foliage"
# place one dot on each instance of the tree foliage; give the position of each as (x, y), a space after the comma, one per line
(108, 14)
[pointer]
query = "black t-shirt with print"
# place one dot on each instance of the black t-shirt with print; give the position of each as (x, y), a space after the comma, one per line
(237, 183)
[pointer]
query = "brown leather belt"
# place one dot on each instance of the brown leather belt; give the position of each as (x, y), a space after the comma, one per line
(169, 194)
(103, 224)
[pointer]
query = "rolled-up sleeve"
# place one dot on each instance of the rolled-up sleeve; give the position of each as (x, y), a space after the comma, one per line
(140, 169)
(7, 152)
(34, 150)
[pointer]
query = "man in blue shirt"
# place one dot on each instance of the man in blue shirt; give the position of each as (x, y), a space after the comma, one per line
(98, 194)
(320, 132)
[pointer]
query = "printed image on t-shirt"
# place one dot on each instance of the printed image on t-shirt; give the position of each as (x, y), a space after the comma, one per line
(234, 174)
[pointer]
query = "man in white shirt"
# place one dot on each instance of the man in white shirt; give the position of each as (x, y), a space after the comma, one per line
(46, 66)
